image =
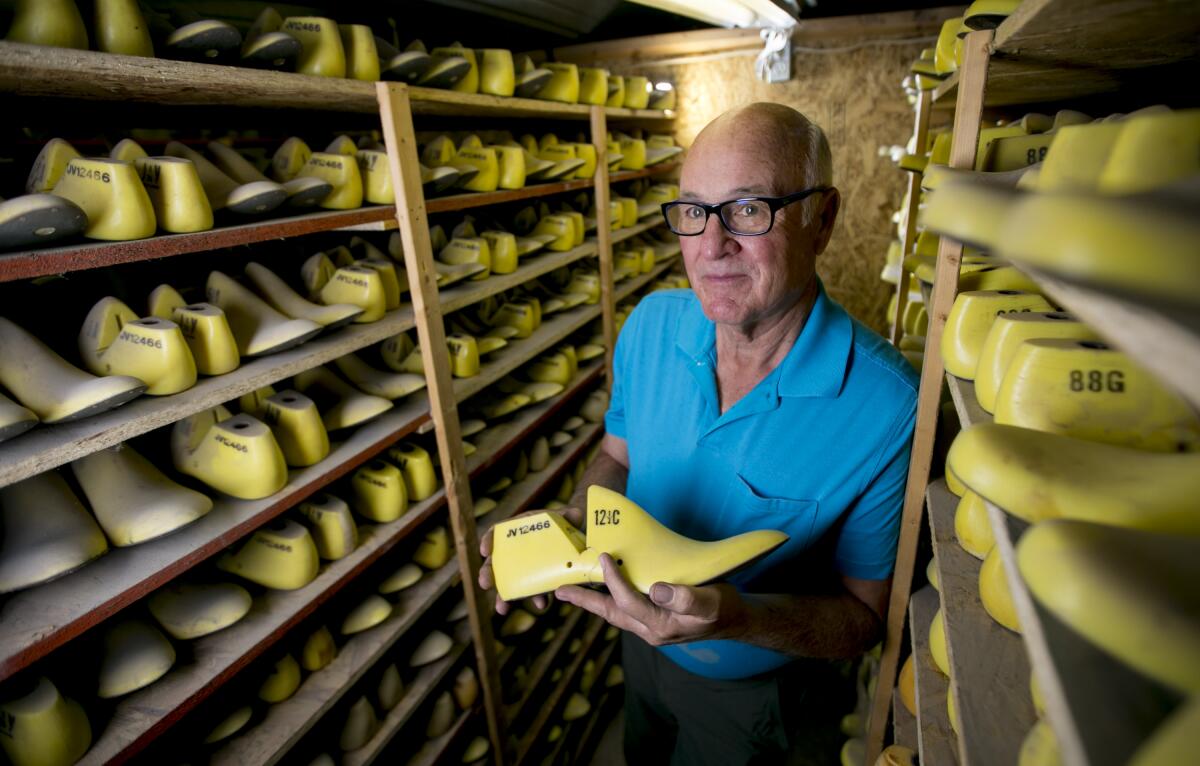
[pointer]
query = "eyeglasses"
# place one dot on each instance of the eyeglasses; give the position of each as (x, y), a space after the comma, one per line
(747, 216)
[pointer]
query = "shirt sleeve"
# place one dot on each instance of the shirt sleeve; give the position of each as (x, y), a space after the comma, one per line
(866, 546)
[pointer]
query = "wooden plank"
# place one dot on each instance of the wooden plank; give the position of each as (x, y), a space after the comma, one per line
(1162, 338)
(434, 750)
(493, 444)
(34, 70)
(144, 715)
(415, 694)
(433, 101)
(548, 705)
(36, 621)
(967, 119)
(49, 446)
(468, 292)
(608, 304)
(544, 661)
(917, 23)
(904, 724)
(285, 723)
(482, 199)
(28, 264)
(620, 235)
(1101, 710)
(518, 352)
(988, 662)
(396, 116)
(1054, 50)
(909, 240)
(935, 739)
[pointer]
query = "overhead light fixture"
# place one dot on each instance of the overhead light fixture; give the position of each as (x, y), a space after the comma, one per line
(731, 13)
(663, 86)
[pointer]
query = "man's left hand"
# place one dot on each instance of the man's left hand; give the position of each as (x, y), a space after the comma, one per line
(673, 614)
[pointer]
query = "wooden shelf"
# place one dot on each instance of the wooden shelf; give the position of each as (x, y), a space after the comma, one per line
(1162, 338)
(36, 621)
(1055, 50)
(287, 722)
(620, 235)
(32, 70)
(415, 694)
(518, 352)
(935, 739)
(434, 750)
(481, 199)
(144, 715)
(544, 661)
(962, 392)
(468, 292)
(520, 496)
(495, 442)
(904, 724)
(631, 286)
(989, 665)
(549, 704)
(27, 264)
(48, 446)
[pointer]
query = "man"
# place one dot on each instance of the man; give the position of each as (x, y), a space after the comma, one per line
(752, 401)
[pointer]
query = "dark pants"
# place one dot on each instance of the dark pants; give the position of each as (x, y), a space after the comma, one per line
(675, 717)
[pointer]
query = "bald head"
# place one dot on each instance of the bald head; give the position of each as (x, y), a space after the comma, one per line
(797, 145)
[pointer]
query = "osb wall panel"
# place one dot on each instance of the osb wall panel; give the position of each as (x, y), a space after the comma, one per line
(855, 96)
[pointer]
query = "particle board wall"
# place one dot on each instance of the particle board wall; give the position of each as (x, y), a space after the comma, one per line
(854, 95)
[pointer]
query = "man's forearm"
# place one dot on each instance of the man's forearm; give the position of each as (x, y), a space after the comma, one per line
(829, 626)
(605, 471)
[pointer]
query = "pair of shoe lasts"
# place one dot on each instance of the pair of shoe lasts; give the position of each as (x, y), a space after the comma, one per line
(529, 562)
(464, 352)
(633, 260)
(493, 250)
(131, 499)
(522, 315)
(42, 727)
(504, 258)
(330, 524)
(328, 49)
(372, 284)
(234, 454)
(49, 388)
(280, 555)
(257, 327)
(480, 168)
(341, 404)
(650, 202)
(294, 420)
(382, 490)
(114, 341)
(572, 159)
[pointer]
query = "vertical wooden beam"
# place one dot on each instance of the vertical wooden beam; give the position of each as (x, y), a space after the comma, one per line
(968, 115)
(908, 241)
(395, 112)
(608, 305)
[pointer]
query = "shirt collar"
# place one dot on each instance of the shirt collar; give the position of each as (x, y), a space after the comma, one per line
(814, 367)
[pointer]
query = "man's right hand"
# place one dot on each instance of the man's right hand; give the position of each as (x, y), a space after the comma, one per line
(487, 580)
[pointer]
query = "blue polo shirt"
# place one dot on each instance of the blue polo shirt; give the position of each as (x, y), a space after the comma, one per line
(818, 449)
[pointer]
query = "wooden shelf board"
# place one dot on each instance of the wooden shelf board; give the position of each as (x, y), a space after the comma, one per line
(434, 750)
(1162, 338)
(631, 286)
(962, 392)
(518, 352)
(144, 715)
(415, 694)
(49, 446)
(1101, 710)
(544, 661)
(1055, 50)
(479, 199)
(494, 443)
(935, 739)
(521, 494)
(657, 169)
(287, 722)
(989, 664)
(435, 101)
(36, 621)
(467, 292)
(620, 235)
(28, 264)
(549, 704)
(904, 724)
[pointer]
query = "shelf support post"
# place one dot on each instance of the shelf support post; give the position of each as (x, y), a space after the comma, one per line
(608, 306)
(968, 116)
(399, 135)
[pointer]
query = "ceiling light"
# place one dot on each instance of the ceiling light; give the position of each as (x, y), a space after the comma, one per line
(730, 13)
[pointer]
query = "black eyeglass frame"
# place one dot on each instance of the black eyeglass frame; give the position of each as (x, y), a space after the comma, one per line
(773, 203)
